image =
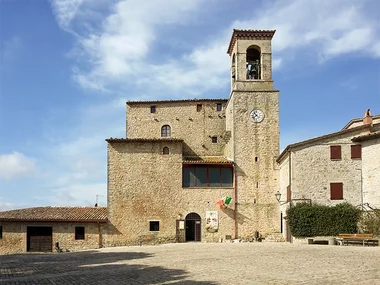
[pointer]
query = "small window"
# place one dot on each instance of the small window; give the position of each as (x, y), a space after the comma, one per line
(79, 233)
(153, 109)
(165, 131)
(356, 151)
(288, 194)
(214, 139)
(336, 191)
(1, 232)
(165, 150)
(335, 152)
(199, 107)
(154, 226)
(219, 107)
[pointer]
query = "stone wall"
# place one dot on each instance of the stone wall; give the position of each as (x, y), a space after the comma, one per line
(144, 186)
(195, 128)
(254, 149)
(15, 236)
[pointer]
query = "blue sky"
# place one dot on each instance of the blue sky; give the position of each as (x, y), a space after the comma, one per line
(67, 67)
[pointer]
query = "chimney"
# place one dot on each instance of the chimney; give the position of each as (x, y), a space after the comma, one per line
(367, 119)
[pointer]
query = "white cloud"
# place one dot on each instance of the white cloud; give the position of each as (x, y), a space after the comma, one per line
(5, 206)
(16, 165)
(10, 48)
(65, 11)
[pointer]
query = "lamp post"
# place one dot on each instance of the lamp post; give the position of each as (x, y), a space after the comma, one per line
(278, 198)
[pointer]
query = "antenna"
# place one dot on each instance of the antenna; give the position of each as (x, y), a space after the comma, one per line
(97, 199)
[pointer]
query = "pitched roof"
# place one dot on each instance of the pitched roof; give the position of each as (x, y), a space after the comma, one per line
(56, 214)
(126, 140)
(249, 34)
(176, 101)
(367, 137)
(357, 120)
(313, 140)
(206, 160)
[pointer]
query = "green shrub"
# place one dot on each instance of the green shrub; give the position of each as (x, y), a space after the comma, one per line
(370, 222)
(307, 220)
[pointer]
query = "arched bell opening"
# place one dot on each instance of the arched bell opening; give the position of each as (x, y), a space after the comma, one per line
(233, 69)
(193, 227)
(253, 62)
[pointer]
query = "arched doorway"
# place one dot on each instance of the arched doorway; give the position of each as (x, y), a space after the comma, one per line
(193, 227)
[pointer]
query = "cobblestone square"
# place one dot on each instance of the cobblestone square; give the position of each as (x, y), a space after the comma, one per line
(198, 263)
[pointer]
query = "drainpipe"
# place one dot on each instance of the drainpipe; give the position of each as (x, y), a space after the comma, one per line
(235, 204)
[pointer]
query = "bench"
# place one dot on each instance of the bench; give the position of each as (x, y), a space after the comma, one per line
(364, 239)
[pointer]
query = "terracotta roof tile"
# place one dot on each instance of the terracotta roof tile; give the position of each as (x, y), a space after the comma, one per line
(249, 34)
(206, 160)
(176, 101)
(370, 136)
(57, 214)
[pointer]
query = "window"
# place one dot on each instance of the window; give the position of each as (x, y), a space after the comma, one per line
(219, 107)
(165, 150)
(214, 139)
(165, 131)
(336, 191)
(356, 151)
(288, 194)
(335, 152)
(154, 226)
(199, 107)
(1, 232)
(207, 176)
(153, 109)
(253, 62)
(79, 233)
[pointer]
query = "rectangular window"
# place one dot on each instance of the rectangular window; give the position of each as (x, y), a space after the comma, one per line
(153, 109)
(1, 232)
(214, 139)
(79, 233)
(199, 107)
(356, 151)
(207, 176)
(336, 191)
(288, 195)
(335, 152)
(154, 226)
(219, 107)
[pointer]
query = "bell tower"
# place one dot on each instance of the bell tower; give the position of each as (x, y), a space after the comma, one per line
(252, 124)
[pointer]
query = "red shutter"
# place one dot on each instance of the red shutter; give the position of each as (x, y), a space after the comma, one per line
(335, 152)
(336, 191)
(288, 195)
(356, 151)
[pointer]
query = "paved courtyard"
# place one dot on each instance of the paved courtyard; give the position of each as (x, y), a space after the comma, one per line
(200, 264)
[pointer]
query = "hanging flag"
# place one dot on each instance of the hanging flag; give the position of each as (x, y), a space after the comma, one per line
(227, 200)
(220, 202)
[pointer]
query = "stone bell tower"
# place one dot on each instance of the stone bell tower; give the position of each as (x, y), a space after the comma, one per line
(252, 123)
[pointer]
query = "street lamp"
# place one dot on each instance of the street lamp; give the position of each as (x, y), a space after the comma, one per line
(278, 198)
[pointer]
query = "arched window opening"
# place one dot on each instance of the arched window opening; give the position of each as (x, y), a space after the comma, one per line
(165, 131)
(233, 69)
(253, 62)
(165, 150)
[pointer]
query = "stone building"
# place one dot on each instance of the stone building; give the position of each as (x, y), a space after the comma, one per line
(50, 229)
(180, 157)
(339, 167)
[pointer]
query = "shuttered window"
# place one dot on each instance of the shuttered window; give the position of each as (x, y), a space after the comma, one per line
(335, 152)
(207, 176)
(288, 196)
(336, 191)
(356, 151)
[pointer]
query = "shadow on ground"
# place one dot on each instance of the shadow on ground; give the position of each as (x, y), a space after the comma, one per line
(90, 267)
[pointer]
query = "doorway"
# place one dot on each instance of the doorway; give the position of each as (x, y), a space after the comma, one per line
(193, 227)
(39, 239)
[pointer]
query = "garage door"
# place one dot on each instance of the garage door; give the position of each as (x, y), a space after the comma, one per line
(40, 239)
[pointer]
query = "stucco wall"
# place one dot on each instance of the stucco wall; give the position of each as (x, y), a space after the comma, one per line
(371, 172)
(15, 236)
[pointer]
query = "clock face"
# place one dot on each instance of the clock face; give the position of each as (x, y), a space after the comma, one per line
(257, 115)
